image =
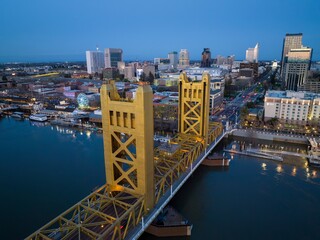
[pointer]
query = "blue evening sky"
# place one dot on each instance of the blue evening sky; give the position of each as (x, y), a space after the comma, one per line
(38, 30)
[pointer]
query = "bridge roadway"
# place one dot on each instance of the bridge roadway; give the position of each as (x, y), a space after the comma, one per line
(117, 214)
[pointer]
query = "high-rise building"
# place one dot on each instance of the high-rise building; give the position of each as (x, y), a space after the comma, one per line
(206, 58)
(296, 67)
(95, 62)
(112, 57)
(173, 57)
(252, 54)
(291, 41)
(184, 60)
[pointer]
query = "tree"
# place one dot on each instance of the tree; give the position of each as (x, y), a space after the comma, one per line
(151, 78)
(142, 77)
(274, 121)
(251, 105)
(4, 78)
(244, 114)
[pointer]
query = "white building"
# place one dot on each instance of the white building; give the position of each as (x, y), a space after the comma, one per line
(217, 83)
(196, 72)
(274, 65)
(292, 107)
(216, 99)
(95, 61)
(184, 60)
(112, 56)
(252, 54)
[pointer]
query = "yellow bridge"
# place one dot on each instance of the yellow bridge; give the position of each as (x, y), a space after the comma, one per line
(140, 180)
(52, 74)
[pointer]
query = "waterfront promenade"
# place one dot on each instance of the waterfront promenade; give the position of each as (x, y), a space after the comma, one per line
(271, 136)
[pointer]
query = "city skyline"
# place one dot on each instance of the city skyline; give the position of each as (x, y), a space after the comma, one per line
(41, 32)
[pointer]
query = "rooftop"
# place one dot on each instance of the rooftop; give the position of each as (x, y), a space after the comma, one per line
(292, 94)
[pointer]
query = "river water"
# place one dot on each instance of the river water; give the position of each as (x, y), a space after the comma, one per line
(44, 170)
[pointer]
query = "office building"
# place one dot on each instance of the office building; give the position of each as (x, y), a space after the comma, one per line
(173, 58)
(162, 64)
(216, 100)
(184, 60)
(296, 68)
(129, 72)
(249, 68)
(291, 41)
(206, 58)
(110, 73)
(312, 83)
(112, 57)
(147, 69)
(252, 54)
(292, 107)
(225, 61)
(161, 61)
(95, 62)
(217, 83)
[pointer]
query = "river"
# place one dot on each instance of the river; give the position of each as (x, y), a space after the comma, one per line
(44, 170)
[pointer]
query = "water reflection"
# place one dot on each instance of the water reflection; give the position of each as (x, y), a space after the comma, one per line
(38, 124)
(305, 172)
(264, 166)
(279, 169)
(73, 132)
(88, 133)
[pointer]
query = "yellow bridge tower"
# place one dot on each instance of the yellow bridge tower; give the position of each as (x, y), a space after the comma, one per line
(194, 100)
(128, 141)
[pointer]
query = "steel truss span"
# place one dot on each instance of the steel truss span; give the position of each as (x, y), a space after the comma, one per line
(104, 214)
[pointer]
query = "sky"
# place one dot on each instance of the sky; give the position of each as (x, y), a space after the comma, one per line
(62, 30)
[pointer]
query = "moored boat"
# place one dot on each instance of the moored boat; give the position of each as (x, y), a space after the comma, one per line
(38, 117)
(18, 115)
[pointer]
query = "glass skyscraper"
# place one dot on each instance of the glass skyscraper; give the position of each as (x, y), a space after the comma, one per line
(291, 41)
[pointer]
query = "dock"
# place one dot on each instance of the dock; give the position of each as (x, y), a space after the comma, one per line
(255, 153)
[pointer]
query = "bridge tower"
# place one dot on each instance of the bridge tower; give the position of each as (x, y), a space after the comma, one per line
(128, 141)
(194, 106)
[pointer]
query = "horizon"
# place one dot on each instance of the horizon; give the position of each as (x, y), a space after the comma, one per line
(63, 31)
